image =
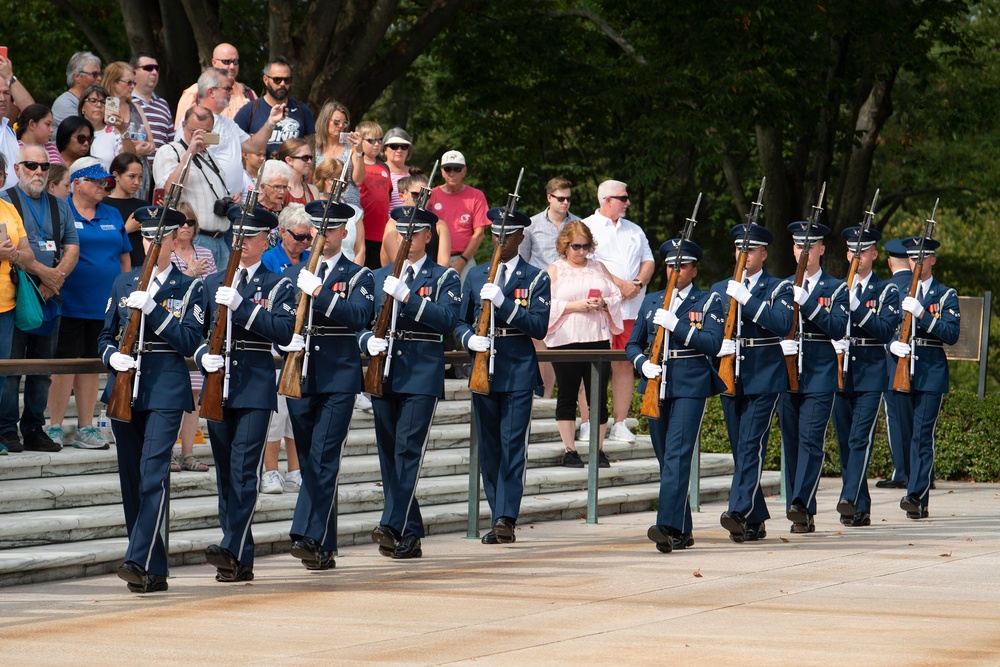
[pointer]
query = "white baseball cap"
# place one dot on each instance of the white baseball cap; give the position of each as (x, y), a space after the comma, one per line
(452, 158)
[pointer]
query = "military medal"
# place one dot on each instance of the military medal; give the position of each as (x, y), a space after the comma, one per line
(521, 296)
(694, 317)
(340, 288)
(870, 305)
(425, 292)
(934, 310)
(825, 301)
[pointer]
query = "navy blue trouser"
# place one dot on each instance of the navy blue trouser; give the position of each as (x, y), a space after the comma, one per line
(503, 425)
(748, 422)
(899, 429)
(803, 419)
(926, 407)
(855, 416)
(674, 436)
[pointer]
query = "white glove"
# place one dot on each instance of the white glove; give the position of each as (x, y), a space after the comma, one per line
(296, 344)
(121, 362)
(800, 294)
(913, 307)
(376, 345)
(728, 347)
(855, 301)
(789, 347)
(228, 297)
(738, 291)
(841, 346)
(212, 363)
(395, 288)
(899, 348)
(491, 292)
(142, 301)
(665, 319)
(308, 282)
(651, 370)
(478, 343)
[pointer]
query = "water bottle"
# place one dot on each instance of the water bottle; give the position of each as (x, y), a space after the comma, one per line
(104, 425)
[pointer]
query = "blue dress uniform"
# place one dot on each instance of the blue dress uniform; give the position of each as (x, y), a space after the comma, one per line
(503, 417)
(690, 380)
(855, 412)
(898, 414)
(938, 325)
(804, 415)
(171, 332)
(332, 378)
(404, 412)
(766, 319)
(264, 315)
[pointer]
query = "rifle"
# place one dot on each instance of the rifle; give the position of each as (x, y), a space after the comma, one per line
(126, 385)
(293, 374)
(482, 367)
(794, 366)
(843, 359)
(215, 389)
(729, 365)
(379, 365)
(656, 388)
(904, 366)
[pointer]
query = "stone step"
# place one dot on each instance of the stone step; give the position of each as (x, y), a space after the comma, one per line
(100, 556)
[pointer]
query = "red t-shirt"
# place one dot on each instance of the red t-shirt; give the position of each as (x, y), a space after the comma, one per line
(462, 212)
(375, 191)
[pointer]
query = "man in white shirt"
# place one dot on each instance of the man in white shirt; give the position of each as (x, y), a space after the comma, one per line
(622, 247)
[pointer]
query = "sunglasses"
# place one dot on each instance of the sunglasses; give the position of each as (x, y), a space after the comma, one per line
(128, 83)
(396, 147)
(341, 123)
(189, 223)
(452, 170)
(227, 63)
(84, 138)
(280, 79)
(96, 101)
(107, 183)
(373, 140)
(414, 194)
(149, 68)
(298, 237)
(228, 89)
(579, 246)
(32, 166)
(621, 198)
(304, 158)
(561, 200)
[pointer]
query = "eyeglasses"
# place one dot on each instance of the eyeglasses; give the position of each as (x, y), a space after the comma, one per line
(228, 89)
(452, 170)
(97, 75)
(298, 237)
(622, 198)
(341, 123)
(149, 68)
(96, 101)
(188, 222)
(561, 200)
(33, 166)
(227, 63)
(396, 147)
(107, 183)
(414, 194)
(279, 188)
(84, 138)
(304, 158)
(579, 246)
(128, 83)
(280, 79)
(373, 140)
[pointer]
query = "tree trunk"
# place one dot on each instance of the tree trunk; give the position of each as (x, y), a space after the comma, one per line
(777, 211)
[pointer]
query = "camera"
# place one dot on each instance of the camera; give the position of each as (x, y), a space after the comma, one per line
(222, 206)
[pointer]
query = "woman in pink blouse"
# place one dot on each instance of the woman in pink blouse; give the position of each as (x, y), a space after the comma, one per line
(585, 313)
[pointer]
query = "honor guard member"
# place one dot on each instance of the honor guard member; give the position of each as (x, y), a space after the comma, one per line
(936, 323)
(803, 415)
(426, 299)
(342, 305)
(520, 301)
(766, 307)
(261, 312)
(874, 305)
(173, 310)
(898, 414)
(694, 325)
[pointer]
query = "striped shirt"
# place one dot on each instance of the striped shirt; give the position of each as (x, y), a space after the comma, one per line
(539, 245)
(161, 121)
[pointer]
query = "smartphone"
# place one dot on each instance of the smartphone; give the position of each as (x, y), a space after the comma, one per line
(594, 293)
(210, 138)
(3, 232)
(3, 51)
(345, 137)
(112, 106)
(158, 197)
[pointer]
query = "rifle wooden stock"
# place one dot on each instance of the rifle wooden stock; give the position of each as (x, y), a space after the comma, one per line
(376, 365)
(901, 381)
(791, 362)
(727, 365)
(651, 397)
(479, 381)
(291, 374)
(211, 392)
(852, 274)
(120, 403)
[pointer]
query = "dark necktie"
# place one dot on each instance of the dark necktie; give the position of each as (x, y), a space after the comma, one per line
(857, 291)
(746, 283)
(502, 278)
(408, 278)
(920, 293)
(242, 282)
(322, 271)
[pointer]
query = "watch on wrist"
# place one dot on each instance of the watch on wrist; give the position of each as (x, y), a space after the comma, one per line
(12, 80)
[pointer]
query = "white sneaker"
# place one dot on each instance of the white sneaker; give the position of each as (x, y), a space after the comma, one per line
(293, 481)
(619, 431)
(362, 402)
(89, 437)
(56, 434)
(584, 432)
(271, 482)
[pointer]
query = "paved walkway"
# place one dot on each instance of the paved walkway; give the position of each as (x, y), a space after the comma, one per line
(898, 593)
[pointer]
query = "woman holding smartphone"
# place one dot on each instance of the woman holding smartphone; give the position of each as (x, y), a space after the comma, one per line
(335, 141)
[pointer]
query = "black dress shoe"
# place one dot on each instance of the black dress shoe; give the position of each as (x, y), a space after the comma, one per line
(807, 526)
(861, 519)
(736, 524)
(921, 514)
(846, 508)
(324, 561)
(489, 538)
(306, 549)
(755, 531)
(682, 540)
(846, 520)
(910, 503)
(242, 573)
(504, 530)
(890, 484)
(385, 536)
(155, 583)
(797, 513)
(222, 560)
(662, 537)
(132, 573)
(408, 547)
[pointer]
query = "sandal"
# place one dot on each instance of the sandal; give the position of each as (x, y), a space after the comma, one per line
(175, 464)
(192, 464)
